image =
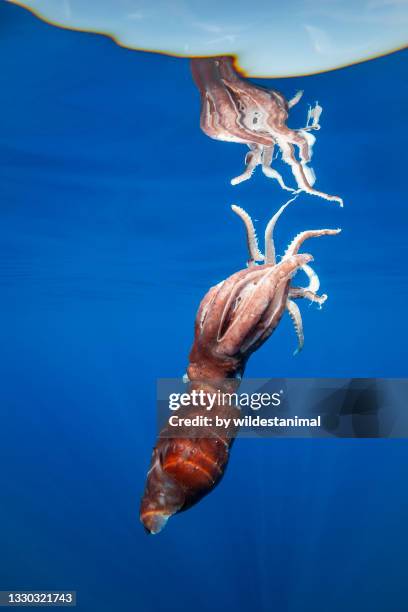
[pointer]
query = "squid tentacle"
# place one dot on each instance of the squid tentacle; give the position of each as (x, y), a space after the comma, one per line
(294, 312)
(300, 171)
(295, 98)
(243, 328)
(238, 298)
(314, 281)
(252, 160)
(252, 240)
(297, 242)
(313, 116)
(267, 159)
(296, 293)
(270, 255)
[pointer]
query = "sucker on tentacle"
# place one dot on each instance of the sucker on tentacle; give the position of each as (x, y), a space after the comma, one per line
(294, 312)
(252, 240)
(296, 243)
(270, 254)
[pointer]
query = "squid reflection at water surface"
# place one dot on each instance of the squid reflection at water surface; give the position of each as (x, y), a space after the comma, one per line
(236, 110)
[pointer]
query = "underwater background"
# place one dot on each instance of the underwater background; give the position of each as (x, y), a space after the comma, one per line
(114, 222)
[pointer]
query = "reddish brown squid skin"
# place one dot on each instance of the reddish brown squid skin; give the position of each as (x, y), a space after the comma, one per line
(184, 469)
(225, 97)
(233, 320)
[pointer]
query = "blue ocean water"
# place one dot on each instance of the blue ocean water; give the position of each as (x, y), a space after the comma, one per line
(114, 221)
